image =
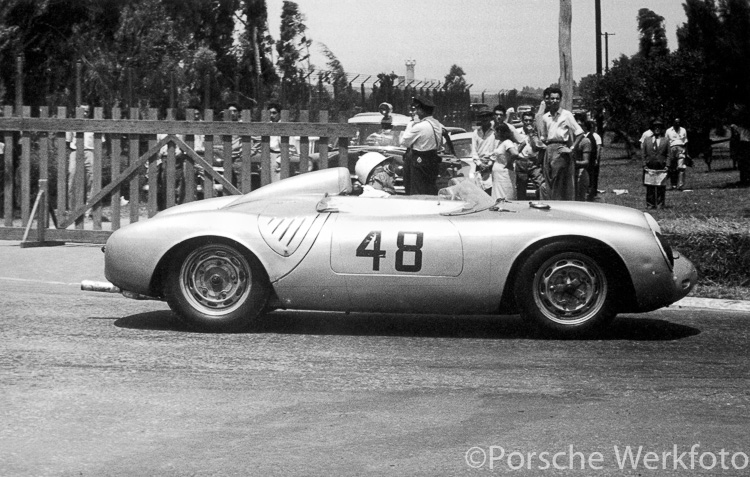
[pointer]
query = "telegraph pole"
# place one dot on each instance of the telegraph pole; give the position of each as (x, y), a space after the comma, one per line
(598, 8)
(598, 33)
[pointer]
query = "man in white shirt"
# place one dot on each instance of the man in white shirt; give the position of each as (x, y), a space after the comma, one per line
(483, 144)
(677, 138)
(88, 162)
(559, 132)
(528, 164)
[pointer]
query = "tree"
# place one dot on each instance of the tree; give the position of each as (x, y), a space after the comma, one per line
(40, 32)
(293, 50)
(653, 37)
(454, 80)
(343, 96)
(256, 50)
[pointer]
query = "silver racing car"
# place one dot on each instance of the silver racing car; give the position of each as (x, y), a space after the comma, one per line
(306, 243)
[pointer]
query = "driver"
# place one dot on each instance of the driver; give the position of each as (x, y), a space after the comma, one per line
(376, 173)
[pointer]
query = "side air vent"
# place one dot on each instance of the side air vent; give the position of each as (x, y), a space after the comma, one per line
(284, 234)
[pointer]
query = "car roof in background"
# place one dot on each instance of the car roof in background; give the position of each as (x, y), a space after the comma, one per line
(376, 118)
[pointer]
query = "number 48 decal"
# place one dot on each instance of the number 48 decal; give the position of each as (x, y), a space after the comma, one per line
(376, 253)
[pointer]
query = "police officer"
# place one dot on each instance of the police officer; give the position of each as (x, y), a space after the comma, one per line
(423, 139)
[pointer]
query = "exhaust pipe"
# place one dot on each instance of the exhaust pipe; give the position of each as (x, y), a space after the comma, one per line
(106, 287)
(94, 286)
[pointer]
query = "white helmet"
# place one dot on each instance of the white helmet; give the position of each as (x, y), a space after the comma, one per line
(366, 163)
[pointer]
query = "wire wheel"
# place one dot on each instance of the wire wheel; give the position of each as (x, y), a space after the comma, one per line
(215, 279)
(570, 290)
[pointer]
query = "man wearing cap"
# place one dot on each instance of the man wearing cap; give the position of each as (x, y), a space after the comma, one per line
(423, 141)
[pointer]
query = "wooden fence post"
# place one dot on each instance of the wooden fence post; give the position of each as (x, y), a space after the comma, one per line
(62, 165)
(115, 166)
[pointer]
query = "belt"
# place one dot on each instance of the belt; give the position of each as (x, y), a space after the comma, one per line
(557, 141)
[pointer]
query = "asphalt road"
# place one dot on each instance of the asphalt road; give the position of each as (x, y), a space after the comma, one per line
(95, 384)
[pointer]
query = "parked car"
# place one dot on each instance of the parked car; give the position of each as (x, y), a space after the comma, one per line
(369, 123)
(306, 243)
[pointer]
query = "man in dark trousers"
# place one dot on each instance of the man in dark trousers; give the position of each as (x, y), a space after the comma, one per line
(654, 151)
(423, 139)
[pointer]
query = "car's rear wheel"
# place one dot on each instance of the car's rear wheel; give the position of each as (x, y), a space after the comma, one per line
(564, 290)
(217, 287)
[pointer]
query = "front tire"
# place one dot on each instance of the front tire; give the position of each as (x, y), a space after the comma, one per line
(217, 287)
(565, 291)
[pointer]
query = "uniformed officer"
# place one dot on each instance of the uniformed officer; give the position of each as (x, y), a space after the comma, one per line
(423, 139)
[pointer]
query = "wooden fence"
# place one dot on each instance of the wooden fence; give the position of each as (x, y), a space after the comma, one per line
(130, 154)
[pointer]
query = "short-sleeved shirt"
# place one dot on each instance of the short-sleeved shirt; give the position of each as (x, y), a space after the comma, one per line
(583, 146)
(676, 137)
(562, 127)
(483, 144)
(424, 135)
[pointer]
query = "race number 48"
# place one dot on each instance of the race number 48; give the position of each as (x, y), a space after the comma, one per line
(370, 248)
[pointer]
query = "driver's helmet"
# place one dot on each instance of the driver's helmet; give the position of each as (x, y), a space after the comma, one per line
(366, 163)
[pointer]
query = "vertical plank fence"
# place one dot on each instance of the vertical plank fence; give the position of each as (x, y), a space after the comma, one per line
(139, 165)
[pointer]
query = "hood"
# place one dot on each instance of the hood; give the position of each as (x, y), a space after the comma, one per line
(585, 211)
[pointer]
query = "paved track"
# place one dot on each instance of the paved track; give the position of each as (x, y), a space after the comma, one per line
(95, 384)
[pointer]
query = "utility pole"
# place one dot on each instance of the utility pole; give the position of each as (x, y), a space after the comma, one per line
(606, 48)
(598, 8)
(565, 51)
(597, 110)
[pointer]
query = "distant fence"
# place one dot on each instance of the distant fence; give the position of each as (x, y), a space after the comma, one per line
(155, 163)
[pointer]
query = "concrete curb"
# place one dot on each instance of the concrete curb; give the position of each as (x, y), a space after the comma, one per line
(713, 304)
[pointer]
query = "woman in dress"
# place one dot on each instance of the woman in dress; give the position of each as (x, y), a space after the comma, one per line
(503, 175)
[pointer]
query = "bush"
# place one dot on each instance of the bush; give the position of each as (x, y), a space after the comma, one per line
(719, 248)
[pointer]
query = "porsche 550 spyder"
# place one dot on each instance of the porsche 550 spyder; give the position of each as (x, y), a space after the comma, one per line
(306, 243)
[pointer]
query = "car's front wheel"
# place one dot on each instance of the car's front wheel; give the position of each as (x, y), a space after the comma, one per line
(217, 287)
(565, 290)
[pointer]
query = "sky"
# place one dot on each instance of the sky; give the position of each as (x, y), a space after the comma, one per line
(500, 44)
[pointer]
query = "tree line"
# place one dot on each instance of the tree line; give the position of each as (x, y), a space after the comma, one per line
(171, 53)
(704, 81)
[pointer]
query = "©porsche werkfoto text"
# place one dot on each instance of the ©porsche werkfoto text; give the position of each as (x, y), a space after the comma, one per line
(622, 457)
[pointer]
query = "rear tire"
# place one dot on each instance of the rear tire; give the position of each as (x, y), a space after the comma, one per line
(217, 287)
(565, 291)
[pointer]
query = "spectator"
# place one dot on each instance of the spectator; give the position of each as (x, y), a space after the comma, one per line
(677, 139)
(654, 151)
(742, 154)
(501, 116)
(483, 144)
(274, 112)
(582, 158)
(504, 156)
(88, 162)
(596, 159)
(423, 139)
(528, 165)
(559, 132)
